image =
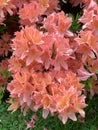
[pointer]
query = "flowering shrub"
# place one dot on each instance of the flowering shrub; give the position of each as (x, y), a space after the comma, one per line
(50, 64)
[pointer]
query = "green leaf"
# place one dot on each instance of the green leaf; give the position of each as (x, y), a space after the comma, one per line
(5, 73)
(88, 82)
(96, 70)
(75, 24)
(3, 28)
(2, 91)
(93, 128)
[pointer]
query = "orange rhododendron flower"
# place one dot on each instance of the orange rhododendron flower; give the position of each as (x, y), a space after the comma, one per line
(6, 6)
(58, 22)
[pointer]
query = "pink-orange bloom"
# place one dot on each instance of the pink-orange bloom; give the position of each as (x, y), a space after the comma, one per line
(5, 42)
(87, 37)
(6, 6)
(26, 40)
(31, 11)
(58, 23)
(14, 105)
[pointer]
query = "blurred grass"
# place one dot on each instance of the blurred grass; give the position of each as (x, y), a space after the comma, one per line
(16, 121)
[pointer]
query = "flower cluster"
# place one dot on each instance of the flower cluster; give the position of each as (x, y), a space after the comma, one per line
(31, 12)
(88, 41)
(42, 72)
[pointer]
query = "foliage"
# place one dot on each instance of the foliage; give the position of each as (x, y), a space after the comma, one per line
(5, 73)
(88, 82)
(2, 29)
(76, 26)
